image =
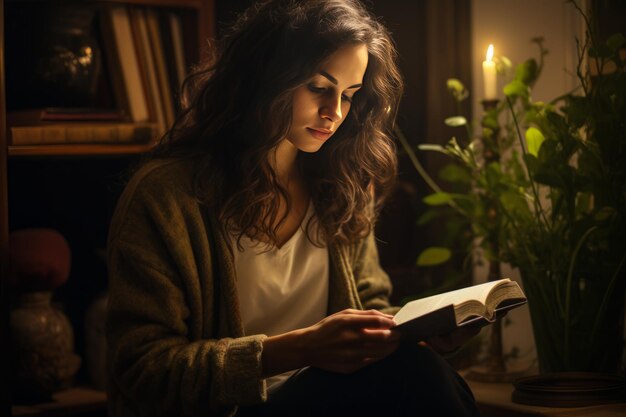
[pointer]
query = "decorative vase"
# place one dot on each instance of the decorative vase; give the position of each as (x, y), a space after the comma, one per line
(43, 346)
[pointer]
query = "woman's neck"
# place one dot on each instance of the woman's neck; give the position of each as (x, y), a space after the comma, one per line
(289, 216)
(283, 161)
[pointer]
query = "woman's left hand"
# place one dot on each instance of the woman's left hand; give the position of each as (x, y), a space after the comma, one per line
(448, 343)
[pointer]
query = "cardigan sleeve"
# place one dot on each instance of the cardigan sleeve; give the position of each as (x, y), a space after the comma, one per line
(373, 284)
(160, 307)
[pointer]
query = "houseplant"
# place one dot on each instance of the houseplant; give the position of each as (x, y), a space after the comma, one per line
(554, 202)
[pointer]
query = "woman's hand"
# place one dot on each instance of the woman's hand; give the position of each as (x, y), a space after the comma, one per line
(343, 342)
(350, 339)
(450, 342)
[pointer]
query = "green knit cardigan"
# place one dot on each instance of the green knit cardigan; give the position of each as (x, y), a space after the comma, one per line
(176, 345)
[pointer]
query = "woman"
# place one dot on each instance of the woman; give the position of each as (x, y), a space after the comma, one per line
(244, 273)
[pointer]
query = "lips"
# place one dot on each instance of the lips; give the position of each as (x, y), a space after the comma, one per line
(320, 134)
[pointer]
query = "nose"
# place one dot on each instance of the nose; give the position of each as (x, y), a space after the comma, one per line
(331, 109)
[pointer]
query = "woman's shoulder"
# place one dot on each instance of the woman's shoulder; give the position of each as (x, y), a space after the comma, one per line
(159, 189)
(163, 177)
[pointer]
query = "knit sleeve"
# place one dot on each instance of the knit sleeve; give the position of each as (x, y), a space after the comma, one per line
(373, 284)
(162, 307)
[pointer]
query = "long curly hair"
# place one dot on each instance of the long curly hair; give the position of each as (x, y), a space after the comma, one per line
(237, 107)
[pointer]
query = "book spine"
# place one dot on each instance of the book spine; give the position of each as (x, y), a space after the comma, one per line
(128, 61)
(134, 17)
(92, 133)
(112, 58)
(151, 68)
(178, 46)
(167, 98)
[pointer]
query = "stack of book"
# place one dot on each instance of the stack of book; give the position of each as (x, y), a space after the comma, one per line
(144, 58)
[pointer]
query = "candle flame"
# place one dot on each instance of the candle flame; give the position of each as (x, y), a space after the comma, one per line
(489, 53)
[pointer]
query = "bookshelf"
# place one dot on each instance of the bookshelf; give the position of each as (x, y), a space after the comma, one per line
(31, 175)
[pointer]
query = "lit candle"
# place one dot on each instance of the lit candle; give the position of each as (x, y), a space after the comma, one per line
(489, 76)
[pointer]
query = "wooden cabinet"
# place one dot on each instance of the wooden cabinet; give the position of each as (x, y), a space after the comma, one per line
(72, 187)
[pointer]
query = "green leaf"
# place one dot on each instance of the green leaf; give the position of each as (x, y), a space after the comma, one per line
(557, 122)
(433, 256)
(604, 213)
(527, 72)
(531, 162)
(438, 199)
(503, 64)
(493, 173)
(534, 139)
(456, 121)
(583, 202)
(615, 42)
(600, 51)
(431, 147)
(490, 120)
(549, 177)
(455, 173)
(457, 89)
(515, 204)
(547, 154)
(516, 88)
(427, 217)
(576, 110)
(455, 86)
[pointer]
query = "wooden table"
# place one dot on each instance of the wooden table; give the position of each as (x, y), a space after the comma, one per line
(494, 400)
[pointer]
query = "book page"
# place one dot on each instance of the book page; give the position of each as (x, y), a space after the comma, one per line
(423, 306)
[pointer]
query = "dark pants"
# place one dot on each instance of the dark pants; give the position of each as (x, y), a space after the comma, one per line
(413, 381)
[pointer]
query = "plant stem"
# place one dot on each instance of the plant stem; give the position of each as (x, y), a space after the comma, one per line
(538, 206)
(568, 289)
(416, 163)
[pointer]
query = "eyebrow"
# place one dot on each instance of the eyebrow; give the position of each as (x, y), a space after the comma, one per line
(334, 80)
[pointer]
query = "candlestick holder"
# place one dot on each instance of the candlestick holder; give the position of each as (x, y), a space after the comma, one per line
(493, 368)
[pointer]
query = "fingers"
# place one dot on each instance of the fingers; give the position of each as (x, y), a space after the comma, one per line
(352, 311)
(451, 341)
(350, 339)
(364, 319)
(384, 335)
(441, 343)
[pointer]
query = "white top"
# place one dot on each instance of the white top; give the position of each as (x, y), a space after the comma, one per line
(281, 289)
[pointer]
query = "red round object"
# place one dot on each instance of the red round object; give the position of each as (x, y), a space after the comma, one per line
(39, 259)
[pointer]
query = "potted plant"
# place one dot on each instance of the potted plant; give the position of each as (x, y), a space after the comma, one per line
(547, 194)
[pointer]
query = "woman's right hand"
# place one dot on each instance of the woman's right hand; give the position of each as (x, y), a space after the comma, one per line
(343, 342)
(349, 340)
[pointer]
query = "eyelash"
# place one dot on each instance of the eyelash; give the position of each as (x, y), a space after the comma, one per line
(319, 90)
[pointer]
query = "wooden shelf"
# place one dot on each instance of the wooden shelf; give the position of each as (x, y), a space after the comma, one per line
(77, 150)
(160, 3)
(107, 163)
(71, 402)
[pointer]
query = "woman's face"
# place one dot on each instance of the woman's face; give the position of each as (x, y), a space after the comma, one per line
(322, 103)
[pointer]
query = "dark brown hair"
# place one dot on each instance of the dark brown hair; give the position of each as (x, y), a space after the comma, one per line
(237, 108)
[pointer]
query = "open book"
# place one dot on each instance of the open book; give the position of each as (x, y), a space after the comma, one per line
(478, 305)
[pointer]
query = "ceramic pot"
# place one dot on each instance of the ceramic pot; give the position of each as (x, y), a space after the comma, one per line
(579, 328)
(43, 348)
